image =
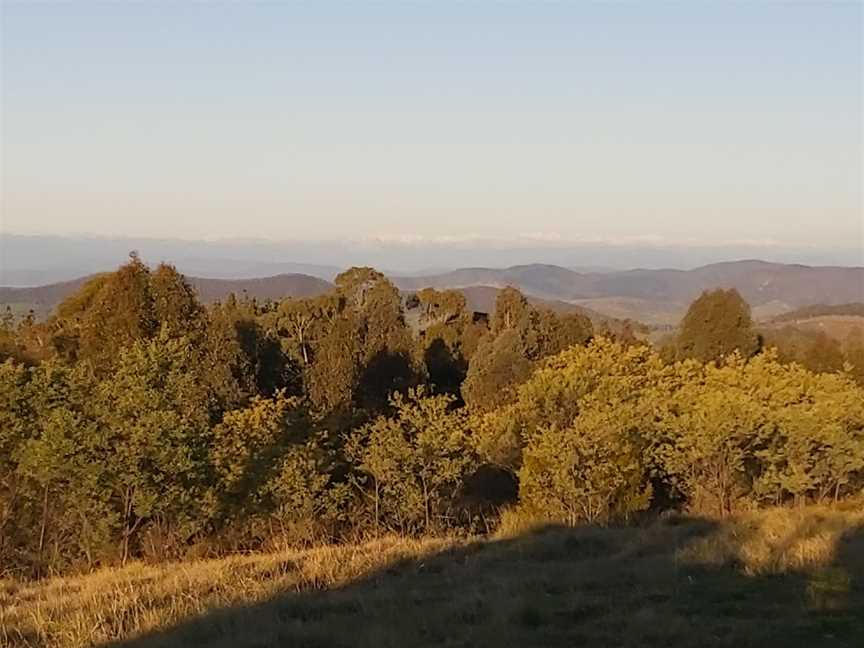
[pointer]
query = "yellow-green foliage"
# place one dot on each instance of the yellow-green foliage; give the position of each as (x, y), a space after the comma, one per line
(158, 428)
(520, 337)
(415, 460)
(606, 371)
(271, 466)
(576, 432)
(594, 425)
(761, 431)
(591, 471)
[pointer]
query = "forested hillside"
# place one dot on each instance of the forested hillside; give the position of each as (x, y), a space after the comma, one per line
(137, 422)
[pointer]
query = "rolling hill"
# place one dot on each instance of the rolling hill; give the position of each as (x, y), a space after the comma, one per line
(657, 297)
(821, 310)
(662, 296)
(44, 298)
(284, 285)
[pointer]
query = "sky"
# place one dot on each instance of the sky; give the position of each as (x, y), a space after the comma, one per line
(701, 123)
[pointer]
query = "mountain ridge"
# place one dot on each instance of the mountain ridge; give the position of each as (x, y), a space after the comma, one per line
(650, 296)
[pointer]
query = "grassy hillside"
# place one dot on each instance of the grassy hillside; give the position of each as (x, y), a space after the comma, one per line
(839, 327)
(775, 578)
(854, 309)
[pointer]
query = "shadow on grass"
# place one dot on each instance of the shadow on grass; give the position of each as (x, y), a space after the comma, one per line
(562, 587)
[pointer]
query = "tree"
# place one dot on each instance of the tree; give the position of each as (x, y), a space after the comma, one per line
(120, 313)
(520, 337)
(717, 324)
(175, 303)
(448, 338)
(113, 310)
(707, 436)
(824, 355)
(440, 306)
(17, 422)
(247, 448)
(366, 353)
(300, 324)
(745, 432)
(154, 419)
(555, 394)
(592, 471)
(498, 367)
(243, 355)
(58, 510)
(416, 461)
(511, 308)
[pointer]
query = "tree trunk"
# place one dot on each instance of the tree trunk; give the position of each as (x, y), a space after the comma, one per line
(44, 523)
(377, 509)
(425, 501)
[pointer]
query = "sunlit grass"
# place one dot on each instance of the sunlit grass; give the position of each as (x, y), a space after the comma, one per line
(780, 577)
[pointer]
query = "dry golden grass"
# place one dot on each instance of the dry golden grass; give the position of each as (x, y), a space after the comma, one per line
(783, 577)
(113, 604)
(778, 540)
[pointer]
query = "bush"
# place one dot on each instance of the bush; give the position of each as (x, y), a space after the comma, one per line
(411, 466)
(590, 472)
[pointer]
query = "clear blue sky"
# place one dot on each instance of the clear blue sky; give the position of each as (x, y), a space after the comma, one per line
(676, 122)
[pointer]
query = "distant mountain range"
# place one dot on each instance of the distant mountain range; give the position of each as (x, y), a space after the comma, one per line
(662, 296)
(44, 298)
(649, 296)
(40, 260)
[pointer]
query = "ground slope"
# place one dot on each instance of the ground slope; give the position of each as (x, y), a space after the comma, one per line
(778, 578)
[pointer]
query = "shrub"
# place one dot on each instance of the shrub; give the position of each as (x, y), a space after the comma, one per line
(412, 465)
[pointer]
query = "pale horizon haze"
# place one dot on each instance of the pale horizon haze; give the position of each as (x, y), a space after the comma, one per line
(704, 124)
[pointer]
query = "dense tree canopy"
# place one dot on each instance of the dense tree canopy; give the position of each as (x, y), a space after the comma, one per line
(716, 325)
(519, 337)
(137, 422)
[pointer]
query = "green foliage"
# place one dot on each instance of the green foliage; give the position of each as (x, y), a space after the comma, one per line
(716, 325)
(247, 446)
(575, 433)
(449, 337)
(120, 312)
(154, 417)
(590, 472)
(745, 432)
(175, 304)
(138, 423)
(353, 346)
(273, 466)
(555, 394)
(499, 366)
(520, 336)
(412, 465)
(719, 436)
